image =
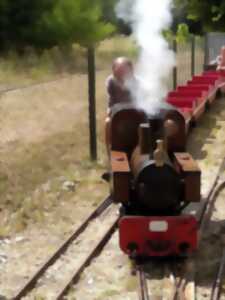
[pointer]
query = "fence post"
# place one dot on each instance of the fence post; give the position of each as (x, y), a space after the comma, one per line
(193, 55)
(92, 102)
(206, 46)
(175, 68)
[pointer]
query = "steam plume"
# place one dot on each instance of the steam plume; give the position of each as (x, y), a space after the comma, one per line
(155, 62)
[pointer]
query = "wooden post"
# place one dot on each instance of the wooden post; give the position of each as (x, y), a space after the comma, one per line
(92, 102)
(192, 55)
(175, 68)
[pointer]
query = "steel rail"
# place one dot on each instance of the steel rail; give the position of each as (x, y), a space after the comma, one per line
(217, 186)
(142, 288)
(61, 250)
(211, 196)
(97, 249)
(184, 286)
(210, 205)
(216, 289)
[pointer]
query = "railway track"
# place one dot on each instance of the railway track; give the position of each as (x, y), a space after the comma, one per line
(216, 288)
(106, 212)
(95, 250)
(174, 285)
(143, 290)
(179, 277)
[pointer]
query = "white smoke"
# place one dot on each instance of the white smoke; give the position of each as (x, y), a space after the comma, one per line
(155, 62)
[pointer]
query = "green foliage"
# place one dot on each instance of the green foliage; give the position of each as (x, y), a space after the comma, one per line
(183, 33)
(210, 13)
(78, 21)
(180, 15)
(19, 21)
(168, 35)
(46, 23)
(109, 15)
(108, 9)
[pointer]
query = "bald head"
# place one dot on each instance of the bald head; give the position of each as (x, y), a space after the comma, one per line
(122, 68)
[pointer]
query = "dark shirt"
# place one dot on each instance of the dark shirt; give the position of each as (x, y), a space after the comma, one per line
(118, 93)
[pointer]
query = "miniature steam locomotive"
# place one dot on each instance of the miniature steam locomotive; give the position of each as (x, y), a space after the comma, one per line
(153, 176)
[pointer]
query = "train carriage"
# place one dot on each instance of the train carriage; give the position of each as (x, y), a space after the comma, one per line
(152, 175)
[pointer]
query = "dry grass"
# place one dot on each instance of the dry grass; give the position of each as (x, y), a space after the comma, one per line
(112, 48)
(44, 137)
(32, 67)
(54, 63)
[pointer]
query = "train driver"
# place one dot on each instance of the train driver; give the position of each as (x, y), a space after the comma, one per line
(119, 87)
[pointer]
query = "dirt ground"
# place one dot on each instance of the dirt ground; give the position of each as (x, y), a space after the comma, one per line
(114, 281)
(45, 175)
(209, 148)
(45, 172)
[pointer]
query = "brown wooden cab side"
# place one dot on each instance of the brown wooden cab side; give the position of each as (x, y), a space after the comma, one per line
(191, 174)
(120, 176)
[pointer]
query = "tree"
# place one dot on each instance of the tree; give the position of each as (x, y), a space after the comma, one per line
(180, 16)
(77, 21)
(109, 15)
(108, 11)
(46, 23)
(210, 13)
(19, 22)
